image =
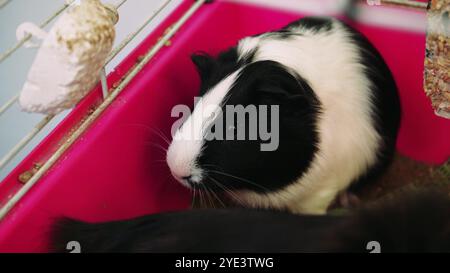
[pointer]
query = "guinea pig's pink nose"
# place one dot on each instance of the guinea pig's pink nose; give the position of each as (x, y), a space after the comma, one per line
(186, 180)
(180, 175)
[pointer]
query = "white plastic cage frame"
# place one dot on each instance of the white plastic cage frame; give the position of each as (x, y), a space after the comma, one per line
(17, 151)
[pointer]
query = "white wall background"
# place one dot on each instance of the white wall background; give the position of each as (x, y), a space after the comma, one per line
(15, 124)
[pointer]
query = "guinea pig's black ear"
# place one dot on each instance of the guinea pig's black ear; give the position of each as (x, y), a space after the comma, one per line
(204, 63)
(275, 91)
(284, 88)
(295, 94)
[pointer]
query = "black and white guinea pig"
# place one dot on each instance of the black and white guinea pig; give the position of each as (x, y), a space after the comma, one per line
(338, 118)
(413, 223)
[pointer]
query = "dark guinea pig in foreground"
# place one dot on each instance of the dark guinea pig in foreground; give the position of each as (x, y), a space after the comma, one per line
(418, 223)
(338, 120)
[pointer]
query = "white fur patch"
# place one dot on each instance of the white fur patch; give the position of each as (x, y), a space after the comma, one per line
(348, 141)
(189, 139)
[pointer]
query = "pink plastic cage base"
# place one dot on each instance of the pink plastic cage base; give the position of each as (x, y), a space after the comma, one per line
(115, 171)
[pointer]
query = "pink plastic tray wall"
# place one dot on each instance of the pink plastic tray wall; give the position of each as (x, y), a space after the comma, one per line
(115, 171)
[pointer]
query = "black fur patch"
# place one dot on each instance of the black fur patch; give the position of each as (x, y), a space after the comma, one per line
(415, 224)
(265, 83)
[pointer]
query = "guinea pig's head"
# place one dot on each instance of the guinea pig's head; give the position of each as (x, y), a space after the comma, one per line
(252, 128)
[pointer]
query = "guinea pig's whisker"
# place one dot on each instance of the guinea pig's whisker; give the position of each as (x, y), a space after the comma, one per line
(159, 164)
(227, 190)
(193, 197)
(207, 197)
(154, 130)
(200, 197)
(210, 200)
(232, 176)
(217, 197)
(241, 179)
(210, 165)
(200, 193)
(211, 196)
(163, 137)
(160, 160)
(157, 146)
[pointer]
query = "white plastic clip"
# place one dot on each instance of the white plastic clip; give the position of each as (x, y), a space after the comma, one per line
(76, 2)
(28, 28)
